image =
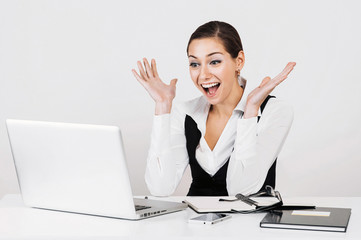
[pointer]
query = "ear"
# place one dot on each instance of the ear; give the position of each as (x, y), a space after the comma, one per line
(240, 60)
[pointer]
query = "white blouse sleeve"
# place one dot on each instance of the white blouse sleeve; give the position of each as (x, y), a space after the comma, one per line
(256, 147)
(168, 156)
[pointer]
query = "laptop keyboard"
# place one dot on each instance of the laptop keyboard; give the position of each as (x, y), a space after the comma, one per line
(140, 207)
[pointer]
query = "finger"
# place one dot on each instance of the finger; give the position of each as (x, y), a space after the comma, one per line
(289, 67)
(147, 68)
(285, 72)
(173, 82)
(154, 67)
(139, 78)
(141, 71)
(136, 75)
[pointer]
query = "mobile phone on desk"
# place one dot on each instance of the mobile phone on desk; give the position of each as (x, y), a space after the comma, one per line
(210, 218)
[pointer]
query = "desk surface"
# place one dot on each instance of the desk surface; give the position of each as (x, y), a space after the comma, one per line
(18, 221)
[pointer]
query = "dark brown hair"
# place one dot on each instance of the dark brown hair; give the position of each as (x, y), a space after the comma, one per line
(221, 30)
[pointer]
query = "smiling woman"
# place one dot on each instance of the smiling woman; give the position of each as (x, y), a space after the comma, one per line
(212, 70)
(230, 146)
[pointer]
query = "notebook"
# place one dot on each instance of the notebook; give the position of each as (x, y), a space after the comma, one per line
(77, 168)
(318, 219)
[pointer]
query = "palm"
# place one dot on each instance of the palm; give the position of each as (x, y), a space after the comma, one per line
(157, 89)
(259, 94)
(160, 91)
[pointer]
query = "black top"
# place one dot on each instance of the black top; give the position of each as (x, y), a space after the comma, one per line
(203, 184)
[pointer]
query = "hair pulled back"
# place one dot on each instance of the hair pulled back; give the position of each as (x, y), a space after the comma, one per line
(222, 31)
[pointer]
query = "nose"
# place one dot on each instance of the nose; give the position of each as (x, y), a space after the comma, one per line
(205, 74)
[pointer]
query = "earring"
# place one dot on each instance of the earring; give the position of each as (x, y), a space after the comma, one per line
(240, 80)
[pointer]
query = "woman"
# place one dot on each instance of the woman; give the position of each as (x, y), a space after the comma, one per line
(229, 148)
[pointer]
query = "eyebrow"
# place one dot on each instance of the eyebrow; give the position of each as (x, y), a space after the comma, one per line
(207, 55)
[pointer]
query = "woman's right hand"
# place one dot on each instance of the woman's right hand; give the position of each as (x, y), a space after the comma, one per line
(163, 94)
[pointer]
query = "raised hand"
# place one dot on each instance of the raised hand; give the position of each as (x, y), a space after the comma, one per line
(163, 94)
(259, 94)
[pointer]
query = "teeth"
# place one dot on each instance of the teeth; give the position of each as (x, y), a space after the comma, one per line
(209, 85)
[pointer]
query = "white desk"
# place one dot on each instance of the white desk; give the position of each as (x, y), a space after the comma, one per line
(20, 222)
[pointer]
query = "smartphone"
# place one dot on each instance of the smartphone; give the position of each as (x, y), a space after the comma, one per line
(210, 218)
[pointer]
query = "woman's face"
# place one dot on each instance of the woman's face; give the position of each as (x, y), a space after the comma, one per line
(213, 70)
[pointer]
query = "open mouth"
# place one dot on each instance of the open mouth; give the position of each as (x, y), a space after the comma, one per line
(210, 88)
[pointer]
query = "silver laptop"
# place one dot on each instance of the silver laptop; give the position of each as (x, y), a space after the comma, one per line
(77, 168)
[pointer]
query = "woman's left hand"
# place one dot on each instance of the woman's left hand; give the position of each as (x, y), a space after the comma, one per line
(258, 95)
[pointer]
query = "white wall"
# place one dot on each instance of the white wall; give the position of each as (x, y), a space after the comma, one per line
(71, 61)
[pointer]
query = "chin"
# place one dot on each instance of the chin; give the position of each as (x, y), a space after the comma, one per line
(212, 100)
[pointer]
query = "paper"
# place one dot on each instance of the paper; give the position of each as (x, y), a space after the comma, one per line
(311, 213)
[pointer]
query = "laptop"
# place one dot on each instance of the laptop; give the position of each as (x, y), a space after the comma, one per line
(77, 168)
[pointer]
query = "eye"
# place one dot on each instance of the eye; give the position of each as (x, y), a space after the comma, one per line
(215, 62)
(193, 64)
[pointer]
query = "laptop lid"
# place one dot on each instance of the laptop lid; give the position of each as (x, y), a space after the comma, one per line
(72, 167)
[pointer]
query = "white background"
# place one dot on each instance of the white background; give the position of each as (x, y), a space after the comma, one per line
(71, 61)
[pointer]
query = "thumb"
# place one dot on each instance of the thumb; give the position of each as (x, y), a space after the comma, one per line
(265, 81)
(173, 82)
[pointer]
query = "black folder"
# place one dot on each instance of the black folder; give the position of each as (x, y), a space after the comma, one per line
(318, 219)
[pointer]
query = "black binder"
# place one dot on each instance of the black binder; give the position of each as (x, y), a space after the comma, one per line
(318, 219)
